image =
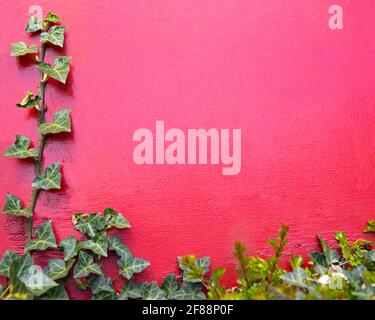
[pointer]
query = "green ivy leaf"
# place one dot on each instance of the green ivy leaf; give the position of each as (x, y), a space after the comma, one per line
(332, 256)
(57, 293)
(131, 290)
(19, 49)
(130, 265)
(52, 18)
(370, 255)
(34, 24)
(115, 219)
(86, 266)
(20, 149)
(57, 268)
(116, 244)
(60, 71)
(170, 285)
(153, 292)
(98, 244)
(193, 269)
(71, 247)
(189, 291)
(8, 258)
(50, 179)
(45, 238)
(101, 284)
(105, 296)
(61, 123)
(13, 206)
(54, 35)
(36, 281)
(297, 278)
(30, 101)
(89, 224)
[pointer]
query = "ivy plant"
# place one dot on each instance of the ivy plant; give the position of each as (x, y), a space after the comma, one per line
(347, 273)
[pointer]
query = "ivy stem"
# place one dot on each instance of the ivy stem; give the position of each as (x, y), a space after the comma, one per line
(38, 161)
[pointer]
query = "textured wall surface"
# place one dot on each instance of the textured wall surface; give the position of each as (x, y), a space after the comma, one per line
(303, 95)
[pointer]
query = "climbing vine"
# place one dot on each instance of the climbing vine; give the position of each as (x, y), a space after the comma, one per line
(348, 273)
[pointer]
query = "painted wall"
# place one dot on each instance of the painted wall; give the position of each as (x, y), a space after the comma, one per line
(302, 94)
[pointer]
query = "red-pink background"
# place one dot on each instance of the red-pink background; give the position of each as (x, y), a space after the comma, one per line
(303, 95)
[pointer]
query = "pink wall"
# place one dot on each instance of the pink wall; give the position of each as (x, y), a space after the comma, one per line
(302, 94)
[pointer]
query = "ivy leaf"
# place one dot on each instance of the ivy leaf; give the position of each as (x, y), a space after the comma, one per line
(50, 179)
(88, 224)
(61, 123)
(8, 258)
(101, 284)
(116, 244)
(30, 101)
(189, 291)
(86, 266)
(115, 219)
(51, 17)
(57, 268)
(319, 262)
(193, 269)
(370, 255)
(45, 238)
(130, 265)
(36, 281)
(34, 24)
(103, 295)
(19, 49)
(132, 290)
(169, 285)
(296, 278)
(20, 149)
(153, 292)
(71, 247)
(98, 245)
(332, 256)
(60, 71)
(13, 206)
(57, 293)
(54, 35)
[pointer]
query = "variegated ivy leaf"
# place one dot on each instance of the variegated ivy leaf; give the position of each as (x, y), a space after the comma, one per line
(103, 295)
(297, 278)
(51, 17)
(89, 224)
(131, 290)
(59, 71)
(13, 206)
(34, 24)
(193, 269)
(116, 244)
(86, 266)
(98, 244)
(61, 123)
(30, 101)
(54, 35)
(115, 219)
(36, 281)
(8, 258)
(20, 149)
(19, 49)
(57, 293)
(50, 179)
(57, 268)
(45, 238)
(153, 292)
(71, 247)
(169, 285)
(101, 284)
(130, 265)
(189, 291)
